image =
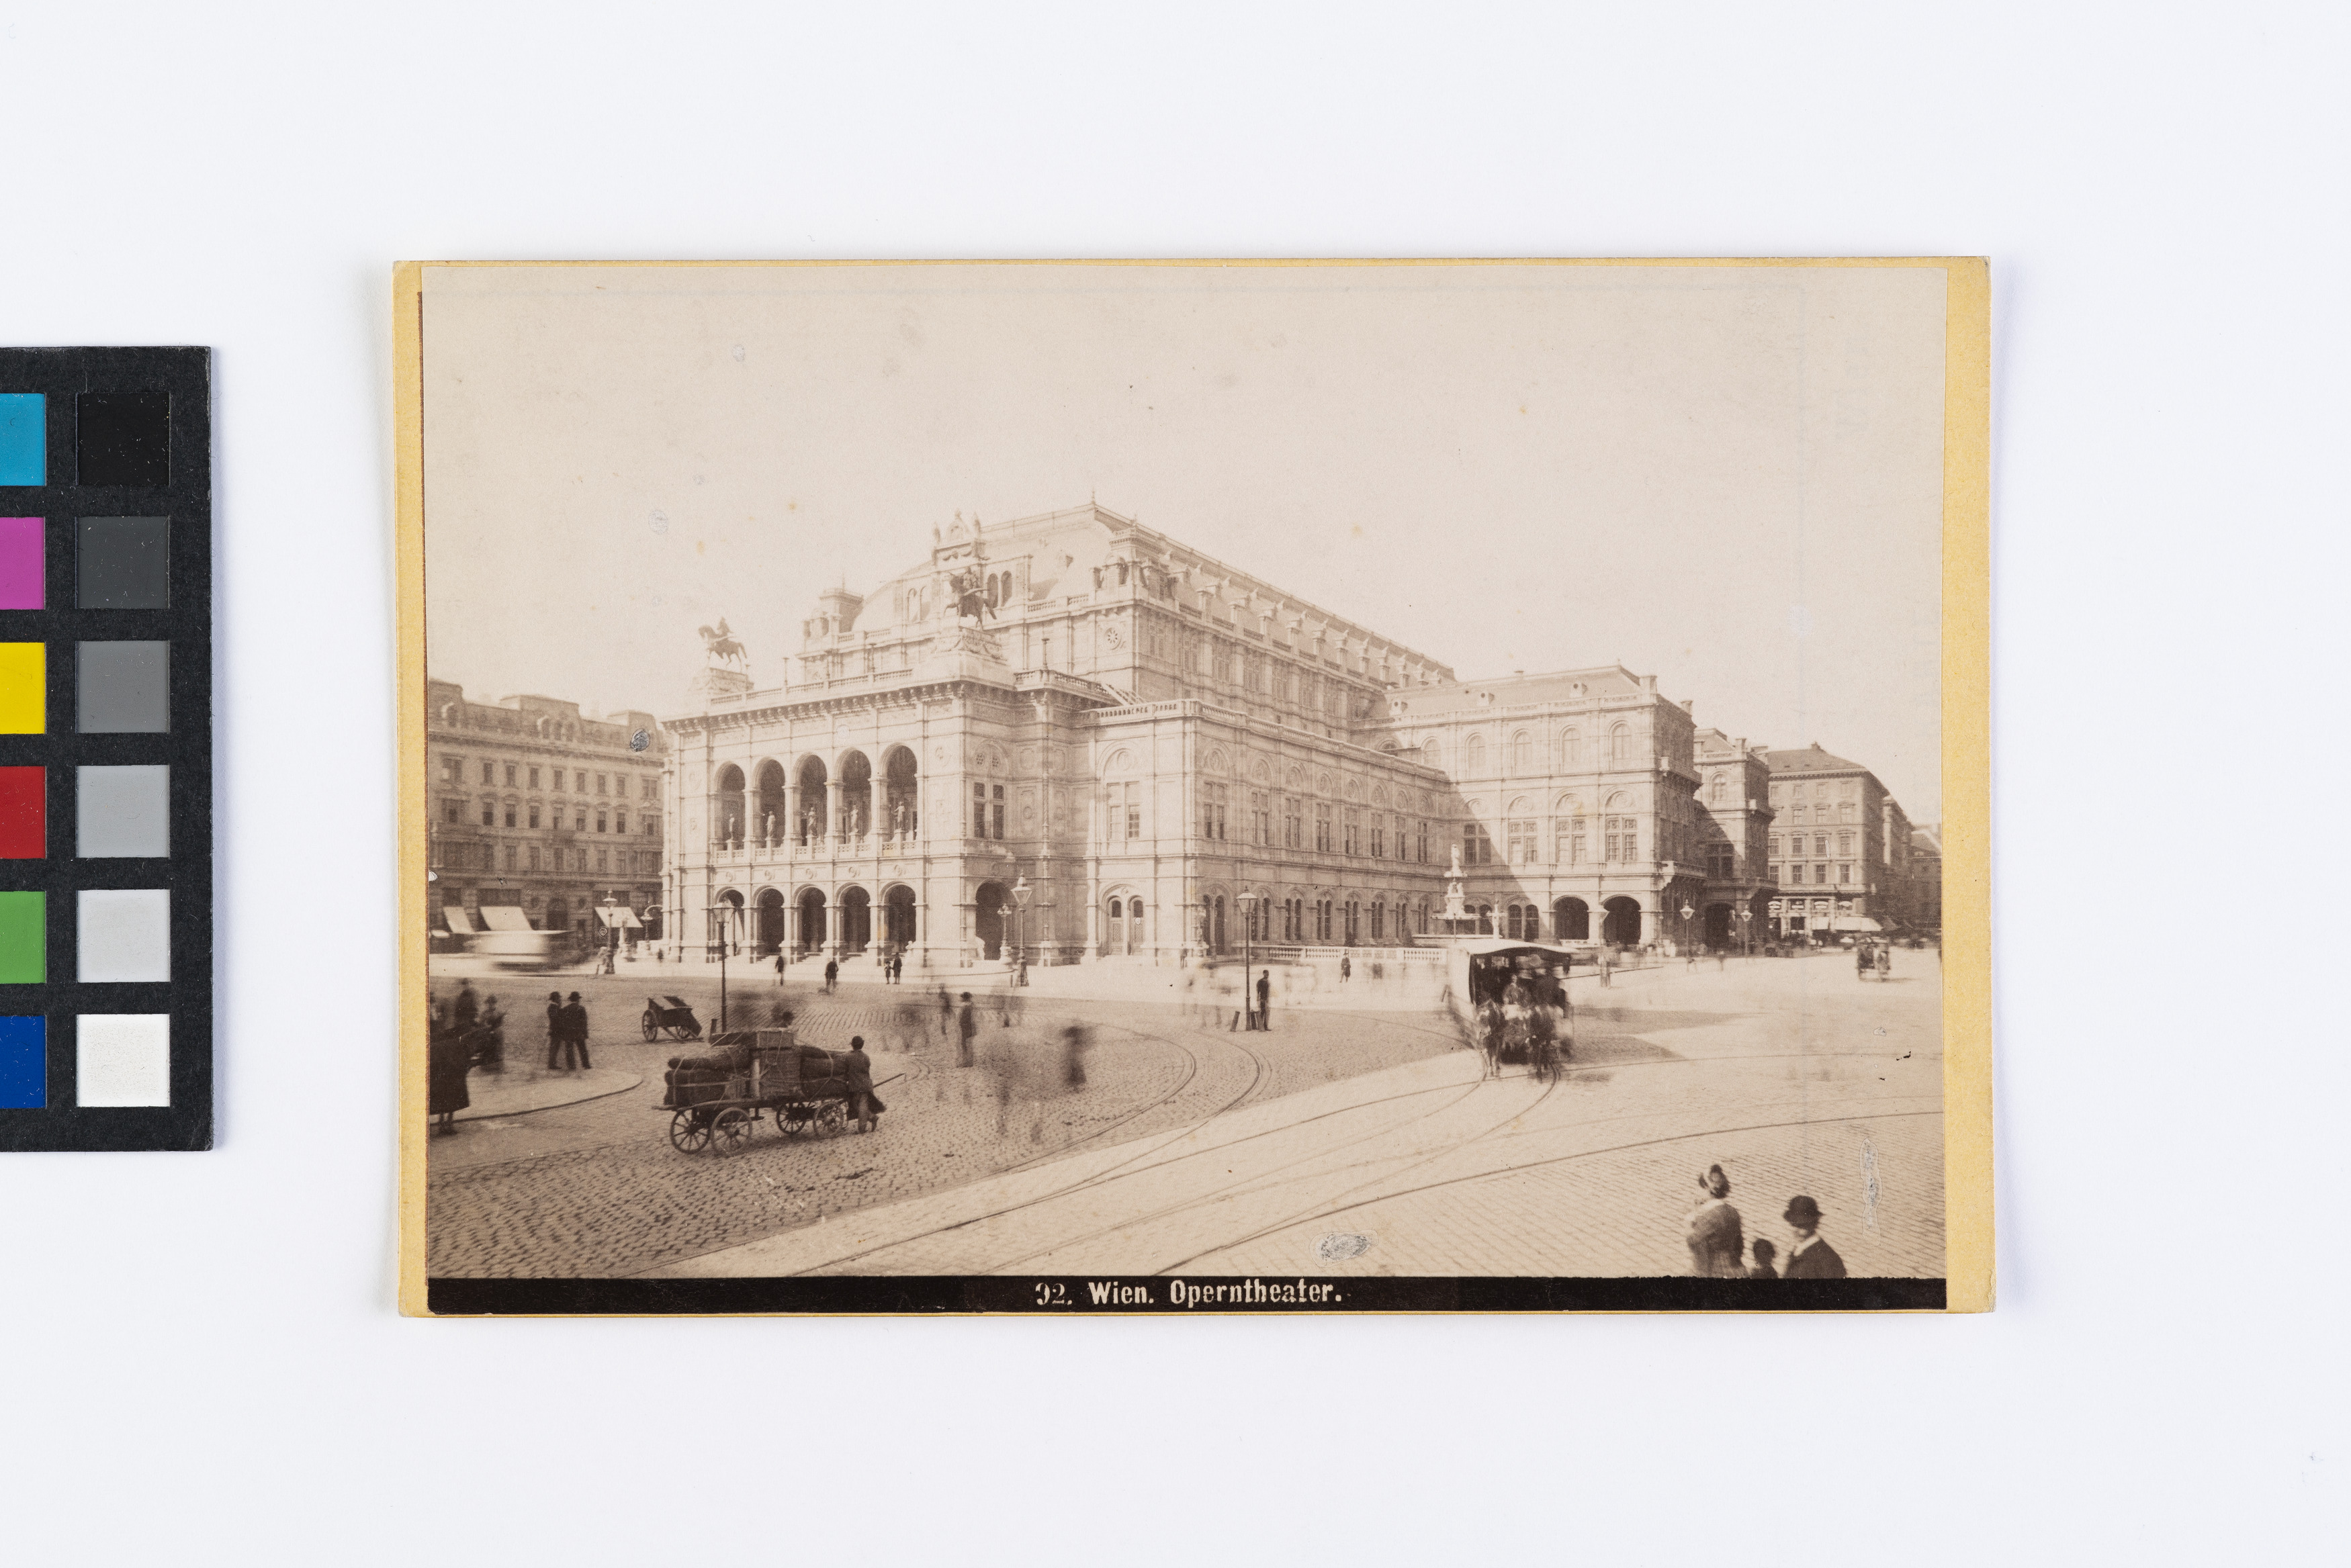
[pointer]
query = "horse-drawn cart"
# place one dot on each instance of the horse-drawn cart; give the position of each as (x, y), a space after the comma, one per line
(671, 1016)
(715, 1101)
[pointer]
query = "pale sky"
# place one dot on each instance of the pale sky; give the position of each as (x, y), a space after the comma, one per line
(1731, 478)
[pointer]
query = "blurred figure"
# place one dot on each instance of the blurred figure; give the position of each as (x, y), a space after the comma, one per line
(1075, 1042)
(965, 1027)
(946, 1012)
(1763, 1254)
(490, 1049)
(468, 1006)
(831, 974)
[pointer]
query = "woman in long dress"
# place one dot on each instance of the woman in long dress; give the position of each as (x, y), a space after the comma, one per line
(1717, 1243)
(446, 1063)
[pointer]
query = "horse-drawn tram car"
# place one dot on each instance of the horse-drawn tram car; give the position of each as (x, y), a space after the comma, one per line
(715, 1101)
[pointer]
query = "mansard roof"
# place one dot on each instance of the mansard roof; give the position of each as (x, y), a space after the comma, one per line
(1811, 760)
(1451, 697)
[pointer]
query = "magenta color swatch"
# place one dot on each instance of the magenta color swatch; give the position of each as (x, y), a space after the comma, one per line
(22, 563)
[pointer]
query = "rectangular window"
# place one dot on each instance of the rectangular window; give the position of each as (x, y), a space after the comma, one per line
(602, 783)
(1820, 844)
(1820, 874)
(533, 778)
(579, 820)
(1775, 844)
(1622, 838)
(996, 817)
(1775, 873)
(1845, 843)
(1379, 847)
(510, 817)
(1844, 812)
(600, 822)
(533, 857)
(647, 792)
(1844, 871)
(490, 774)
(510, 775)
(979, 811)
(489, 815)
(1379, 919)
(579, 783)
(450, 812)
(1519, 840)
(449, 769)
(1476, 845)
(1352, 829)
(603, 861)
(559, 778)
(1424, 843)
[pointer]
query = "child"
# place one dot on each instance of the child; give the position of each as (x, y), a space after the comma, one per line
(1764, 1252)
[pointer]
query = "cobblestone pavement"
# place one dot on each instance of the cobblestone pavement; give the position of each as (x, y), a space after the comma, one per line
(1792, 1074)
(595, 1189)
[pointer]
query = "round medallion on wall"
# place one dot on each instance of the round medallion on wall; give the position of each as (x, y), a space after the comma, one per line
(1113, 637)
(1028, 814)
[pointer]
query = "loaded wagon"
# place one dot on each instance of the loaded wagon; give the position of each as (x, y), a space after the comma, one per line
(715, 1101)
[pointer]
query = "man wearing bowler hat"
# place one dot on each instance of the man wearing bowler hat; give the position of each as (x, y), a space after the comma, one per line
(1810, 1258)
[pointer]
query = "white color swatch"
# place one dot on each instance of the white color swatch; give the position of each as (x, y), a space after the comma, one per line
(122, 1059)
(124, 934)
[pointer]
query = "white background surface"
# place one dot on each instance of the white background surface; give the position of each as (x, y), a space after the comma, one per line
(202, 1355)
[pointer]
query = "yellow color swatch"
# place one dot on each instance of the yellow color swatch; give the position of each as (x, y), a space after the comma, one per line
(23, 689)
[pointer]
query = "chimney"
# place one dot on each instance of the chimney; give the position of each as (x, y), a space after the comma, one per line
(1649, 684)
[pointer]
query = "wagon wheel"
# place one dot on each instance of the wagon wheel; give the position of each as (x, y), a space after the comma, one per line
(785, 1124)
(689, 1132)
(833, 1118)
(733, 1130)
(650, 1025)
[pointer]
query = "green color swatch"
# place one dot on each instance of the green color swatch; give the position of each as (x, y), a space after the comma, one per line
(24, 931)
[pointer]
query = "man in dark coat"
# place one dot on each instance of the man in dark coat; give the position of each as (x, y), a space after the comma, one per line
(468, 1007)
(575, 1021)
(857, 1074)
(1810, 1258)
(1264, 998)
(831, 973)
(965, 1027)
(554, 1027)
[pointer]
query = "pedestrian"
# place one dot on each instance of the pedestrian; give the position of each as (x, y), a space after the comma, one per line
(468, 1006)
(780, 966)
(1074, 1045)
(446, 1064)
(1004, 1005)
(1886, 961)
(490, 1037)
(1862, 962)
(857, 1071)
(575, 1018)
(1763, 1269)
(1346, 968)
(554, 1027)
(1265, 999)
(946, 1012)
(1809, 1257)
(965, 1027)
(1717, 1241)
(831, 974)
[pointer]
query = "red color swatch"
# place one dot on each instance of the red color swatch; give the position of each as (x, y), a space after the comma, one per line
(24, 814)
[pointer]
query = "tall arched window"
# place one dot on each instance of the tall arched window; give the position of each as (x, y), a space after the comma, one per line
(1473, 755)
(1571, 748)
(1522, 753)
(990, 592)
(1433, 752)
(1717, 797)
(1620, 743)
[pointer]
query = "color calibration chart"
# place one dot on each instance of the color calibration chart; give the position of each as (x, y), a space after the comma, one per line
(105, 918)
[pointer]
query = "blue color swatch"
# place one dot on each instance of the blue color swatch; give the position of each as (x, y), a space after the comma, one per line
(24, 438)
(24, 1063)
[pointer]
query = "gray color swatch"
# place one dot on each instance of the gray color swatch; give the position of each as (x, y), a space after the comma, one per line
(122, 563)
(123, 688)
(123, 811)
(125, 934)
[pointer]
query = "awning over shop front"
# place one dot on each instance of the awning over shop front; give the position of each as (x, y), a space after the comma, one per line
(504, 918)
(1854, 923)
(456, 915)
(620, 918)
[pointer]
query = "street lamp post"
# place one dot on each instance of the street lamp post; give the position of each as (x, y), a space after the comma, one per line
(1686, 912)
(612, 942)
(1746, 940)
(1248, 901)
(1020, 895)
(718, 912)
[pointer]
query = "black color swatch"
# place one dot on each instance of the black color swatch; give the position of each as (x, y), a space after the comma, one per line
(123, 438)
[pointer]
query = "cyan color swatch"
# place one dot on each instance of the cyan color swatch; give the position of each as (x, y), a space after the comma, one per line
(24, 438)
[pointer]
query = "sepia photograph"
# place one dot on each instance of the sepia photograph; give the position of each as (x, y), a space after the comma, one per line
(1194, 786)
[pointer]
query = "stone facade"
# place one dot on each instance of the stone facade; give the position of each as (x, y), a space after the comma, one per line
(1735, 791)
(1840, 848)
(1144, 743)
(536, 807)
